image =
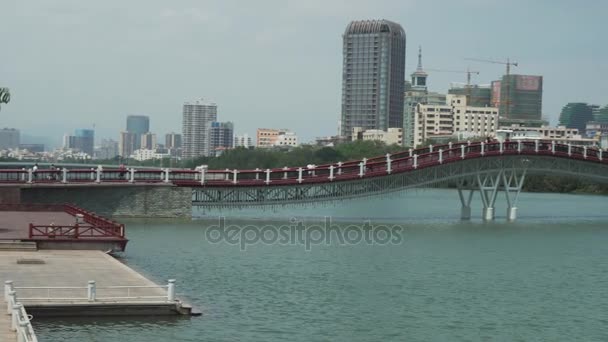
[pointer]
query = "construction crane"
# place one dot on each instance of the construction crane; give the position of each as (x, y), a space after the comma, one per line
(468, 72)
(508, 64)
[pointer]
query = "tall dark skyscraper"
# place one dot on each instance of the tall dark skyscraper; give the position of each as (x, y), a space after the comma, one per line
(138, 125)
(373, 75)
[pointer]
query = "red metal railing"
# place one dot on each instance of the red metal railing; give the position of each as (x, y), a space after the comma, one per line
(92, 225)
(403, 161)
(73, 232)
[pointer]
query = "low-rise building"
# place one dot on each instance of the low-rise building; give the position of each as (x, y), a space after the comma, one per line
(147, 154)
(268, 137)
(433, 121)
(546, 132)
(389, 137)
(594, 129)
(243, 141)
(286, 139)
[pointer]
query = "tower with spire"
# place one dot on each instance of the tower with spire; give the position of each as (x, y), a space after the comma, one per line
(419, 76)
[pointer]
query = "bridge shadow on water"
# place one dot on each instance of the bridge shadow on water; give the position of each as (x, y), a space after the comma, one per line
(426, 206)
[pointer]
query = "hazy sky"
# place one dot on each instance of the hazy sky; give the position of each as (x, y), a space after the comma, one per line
(74, 63)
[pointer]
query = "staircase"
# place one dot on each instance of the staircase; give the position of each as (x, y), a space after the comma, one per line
(18, 245)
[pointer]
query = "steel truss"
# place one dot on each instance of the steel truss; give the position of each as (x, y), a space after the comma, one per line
(485, 174)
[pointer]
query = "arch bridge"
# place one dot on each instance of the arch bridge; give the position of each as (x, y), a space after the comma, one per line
(486, 167)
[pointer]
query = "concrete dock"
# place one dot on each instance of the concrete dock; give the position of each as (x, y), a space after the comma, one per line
(53, 283)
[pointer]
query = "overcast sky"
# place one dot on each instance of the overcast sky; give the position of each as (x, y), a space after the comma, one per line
(74, 63)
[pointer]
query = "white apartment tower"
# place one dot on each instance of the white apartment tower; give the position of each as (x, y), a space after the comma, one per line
(196, 120)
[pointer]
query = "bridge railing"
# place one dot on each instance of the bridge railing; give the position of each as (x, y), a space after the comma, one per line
(373, 167)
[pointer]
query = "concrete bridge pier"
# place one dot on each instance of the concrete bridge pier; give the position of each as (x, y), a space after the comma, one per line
(488, 214)
(488, 188)
(511, 213)
(513, 182)
(465, 209)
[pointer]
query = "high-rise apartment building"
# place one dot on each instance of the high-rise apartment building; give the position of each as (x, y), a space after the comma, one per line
(107, 150)
(173, 140)
(196, 119)
(127, 144)
(148, 141)
(372, 75)
(9, 138)
(221, 137)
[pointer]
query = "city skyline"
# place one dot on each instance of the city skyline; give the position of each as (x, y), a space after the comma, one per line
(275, 84)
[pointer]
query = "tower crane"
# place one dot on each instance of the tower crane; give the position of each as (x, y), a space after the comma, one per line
(508, 64)
(468, 72)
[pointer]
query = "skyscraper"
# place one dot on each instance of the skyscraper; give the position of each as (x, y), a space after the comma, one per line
(372, 75)
(138, 125)
(9, 138)
(148, 141)
(84, 140)
(576, 115)
(127, 144)
(173, 140)
(195, 124)
(220, 136)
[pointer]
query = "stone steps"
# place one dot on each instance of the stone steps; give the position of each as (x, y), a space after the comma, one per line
(17, 245)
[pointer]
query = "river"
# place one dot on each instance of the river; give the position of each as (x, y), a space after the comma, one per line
(541, 278)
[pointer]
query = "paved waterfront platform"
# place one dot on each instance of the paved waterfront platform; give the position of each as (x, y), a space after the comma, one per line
(14, 225)
(58, 226)
(119, 289)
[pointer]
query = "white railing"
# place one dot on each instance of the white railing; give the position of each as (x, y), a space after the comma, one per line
(20, 320)
(93, 293)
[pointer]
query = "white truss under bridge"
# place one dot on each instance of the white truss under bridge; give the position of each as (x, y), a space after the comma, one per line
(487, 167)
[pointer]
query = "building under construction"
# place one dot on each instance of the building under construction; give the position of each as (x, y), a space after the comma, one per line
(477, 95)
(519, 98)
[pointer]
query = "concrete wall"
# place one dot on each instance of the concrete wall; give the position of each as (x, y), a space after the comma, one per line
(10, 195)
(118, 201)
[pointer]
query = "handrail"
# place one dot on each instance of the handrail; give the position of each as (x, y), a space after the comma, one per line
(402, 161)
(20, 320)
(92, 291)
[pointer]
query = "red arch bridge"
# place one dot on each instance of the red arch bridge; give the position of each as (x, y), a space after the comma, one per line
(486, 167)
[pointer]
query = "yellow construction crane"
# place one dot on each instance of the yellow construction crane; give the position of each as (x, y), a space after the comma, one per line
(468, 72)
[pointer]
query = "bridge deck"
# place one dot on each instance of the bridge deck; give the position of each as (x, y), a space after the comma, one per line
(14, 225)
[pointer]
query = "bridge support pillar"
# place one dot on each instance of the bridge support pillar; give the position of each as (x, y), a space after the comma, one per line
(513, 182)
(488, 214)
(511, 213)
(465, 213)
(488, 188)
(465, 209)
